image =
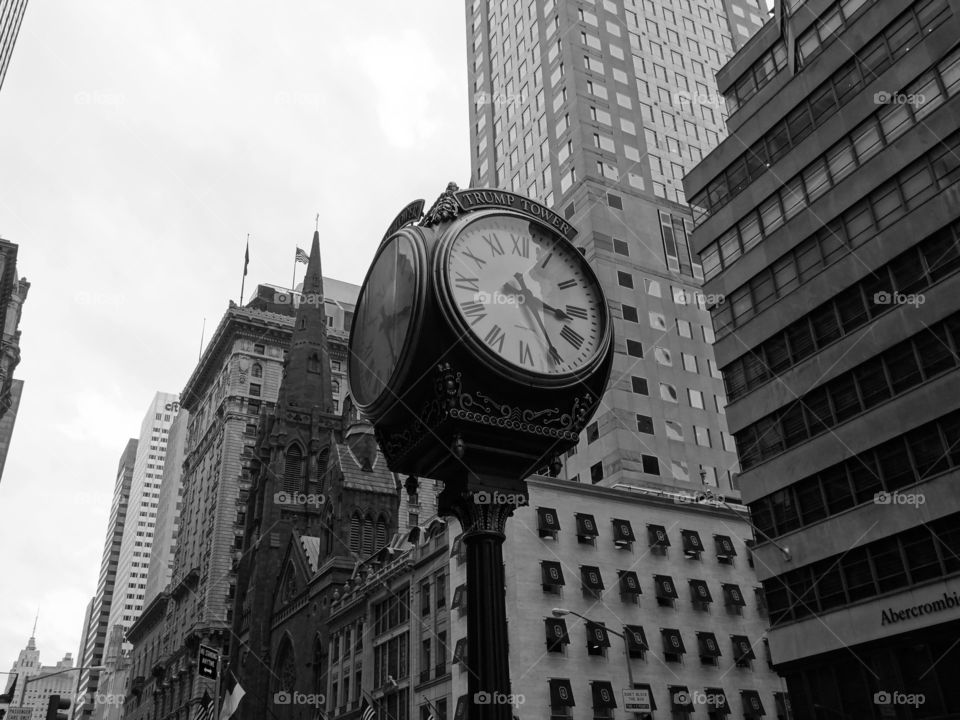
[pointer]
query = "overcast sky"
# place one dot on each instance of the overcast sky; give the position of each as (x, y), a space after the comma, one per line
(139, 143)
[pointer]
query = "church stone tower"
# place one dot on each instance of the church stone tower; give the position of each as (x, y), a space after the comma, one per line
(321, 499)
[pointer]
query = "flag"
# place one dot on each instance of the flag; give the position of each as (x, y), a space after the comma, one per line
(302, 256)
(369, 713)
(246, 258)
(204, 708)
(233, 697)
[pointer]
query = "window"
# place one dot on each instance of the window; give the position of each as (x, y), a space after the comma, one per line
(624, 279)
(703, 435)
(645, 424)
(650, 464)
(634, 348)
(596, 472)
(689, 362)
(663, 356)
(593, 433)
(683, 329)
(639, 385)
(669, 393)
(629, 313)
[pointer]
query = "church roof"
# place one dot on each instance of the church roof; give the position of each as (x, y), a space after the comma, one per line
(311, 550)
(378, 479)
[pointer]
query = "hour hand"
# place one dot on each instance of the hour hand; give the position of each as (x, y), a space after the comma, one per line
(529, 296)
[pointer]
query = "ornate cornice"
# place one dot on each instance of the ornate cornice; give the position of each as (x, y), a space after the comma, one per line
(445, 208)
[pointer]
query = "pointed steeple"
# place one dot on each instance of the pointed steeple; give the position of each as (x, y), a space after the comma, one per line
(306, 372)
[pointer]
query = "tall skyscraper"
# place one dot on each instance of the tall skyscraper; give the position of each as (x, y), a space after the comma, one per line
(135, 548)
(168, 510)
(11, 15)
(13, 293)
(599, 110)
(35, 682)
(94, 640)
(829, 229)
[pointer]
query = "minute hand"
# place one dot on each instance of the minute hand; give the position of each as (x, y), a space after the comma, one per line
(557, 312)
(528, 296)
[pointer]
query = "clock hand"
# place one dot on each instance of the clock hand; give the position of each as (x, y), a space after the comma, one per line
(558, 313)
(527, 295)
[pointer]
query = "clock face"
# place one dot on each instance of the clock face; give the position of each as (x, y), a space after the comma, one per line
(384, 315)
(526, 295)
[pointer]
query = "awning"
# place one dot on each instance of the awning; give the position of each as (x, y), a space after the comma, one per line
(725, 548)
(629, 582)
(603, 696)
(551, 573)
(556, 630)
(561, 694)
(646, 686)
(455, 545)
(707, 643)
(657, 535)
(692, 544)
(597, 635)
(622, 532)
(460, 651)
(586, 525)
(717, 700)
(590, 575)
(732, 595)
(459, 598)
(700, 591)
(672, 642)
(461, 713)
(680, 699)
(547, 521)
(742, 649)
(665, 587)
(752, 707)
(636, 638)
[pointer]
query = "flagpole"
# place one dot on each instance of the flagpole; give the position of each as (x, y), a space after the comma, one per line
(293, 282)
(216, 692)
(203, 331)
(246, 261)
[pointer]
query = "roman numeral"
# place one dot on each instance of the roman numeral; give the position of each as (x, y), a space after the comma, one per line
(494, 242)
(473, 310)
(495, 337)
(478, 261)
(571, 336)
(521, 245)
(576, 311)
(525, 354)
(567, 284)
(468, 283)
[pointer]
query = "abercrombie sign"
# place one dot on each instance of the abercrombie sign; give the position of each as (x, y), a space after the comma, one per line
(891, 616)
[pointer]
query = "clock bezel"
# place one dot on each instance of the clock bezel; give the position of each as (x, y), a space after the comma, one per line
(450, 312)
(401, 368)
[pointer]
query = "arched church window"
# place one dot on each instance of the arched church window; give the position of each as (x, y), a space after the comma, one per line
(323, 459)
(381, 538)
(367, 547)
(293, 469)
(356, 528)
(285, 670)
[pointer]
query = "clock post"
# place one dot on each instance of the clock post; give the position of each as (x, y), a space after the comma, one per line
(481, 345)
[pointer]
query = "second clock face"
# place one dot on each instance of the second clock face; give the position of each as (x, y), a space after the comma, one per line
(526, 294)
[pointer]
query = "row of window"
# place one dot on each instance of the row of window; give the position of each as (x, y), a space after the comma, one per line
(831, 23)
(903, 193)
(922, 553)
(898, 369)
(879, 130)
(827, 99)
(681, 702)
(907, 274)
(763, 70)
(869, 476)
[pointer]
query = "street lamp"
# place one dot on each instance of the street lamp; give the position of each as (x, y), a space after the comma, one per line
(560, 612)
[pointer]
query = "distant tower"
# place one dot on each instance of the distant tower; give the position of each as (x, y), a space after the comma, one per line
(11, 15)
